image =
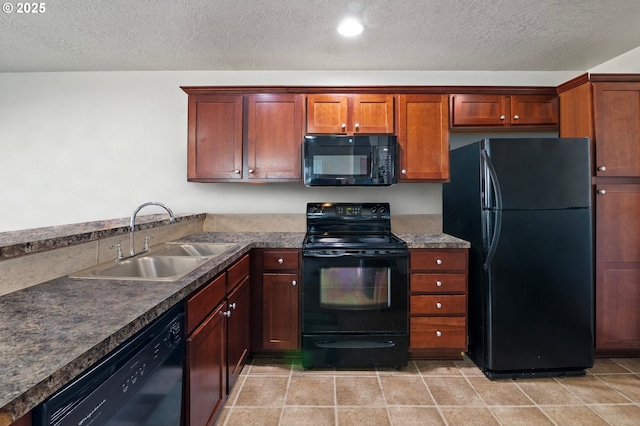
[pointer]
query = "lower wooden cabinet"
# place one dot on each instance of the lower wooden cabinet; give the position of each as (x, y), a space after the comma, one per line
(239, 315)
(275, 301)
(206, 357)
(438, 303)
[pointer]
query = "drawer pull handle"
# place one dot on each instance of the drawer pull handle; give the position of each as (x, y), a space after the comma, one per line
(281, 261)
(232, 305)
(439, 261)
(439, 283)
(439, 305)
(227, 314)
(438, 333)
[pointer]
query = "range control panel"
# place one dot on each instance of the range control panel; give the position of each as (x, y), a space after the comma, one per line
(346, 210)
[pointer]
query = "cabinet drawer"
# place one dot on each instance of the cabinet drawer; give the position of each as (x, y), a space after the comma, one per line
(439, 260)
(237, 272)
(438, 332)
(439, 305)
(438, 283)
(280, 260)
(199, 305)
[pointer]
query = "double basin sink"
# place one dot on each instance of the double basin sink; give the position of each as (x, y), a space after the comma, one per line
(169, 262)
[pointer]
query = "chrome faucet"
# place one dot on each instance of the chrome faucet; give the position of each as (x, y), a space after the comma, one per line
(132, 224)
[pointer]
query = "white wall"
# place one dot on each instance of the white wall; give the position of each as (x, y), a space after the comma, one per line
(77, 147)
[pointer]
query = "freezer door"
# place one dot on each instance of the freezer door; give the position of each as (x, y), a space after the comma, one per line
(536, 173)
(539, 304)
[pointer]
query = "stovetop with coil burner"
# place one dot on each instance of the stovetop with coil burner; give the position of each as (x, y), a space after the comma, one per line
(350, 226)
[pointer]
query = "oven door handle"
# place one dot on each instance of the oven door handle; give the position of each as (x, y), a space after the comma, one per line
(357, 253)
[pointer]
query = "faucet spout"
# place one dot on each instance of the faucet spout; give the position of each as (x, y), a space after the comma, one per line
(132, 223)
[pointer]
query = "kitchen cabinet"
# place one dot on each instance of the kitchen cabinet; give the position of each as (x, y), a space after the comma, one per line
(220, 151)
(350, 114)
(275, 301)
(617, 266)
(503, 111)
(606, 108)
(423, 137)
(238, 304)
(438, 303)
(206, 358)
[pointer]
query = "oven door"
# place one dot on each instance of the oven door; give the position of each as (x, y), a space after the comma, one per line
(355, 293)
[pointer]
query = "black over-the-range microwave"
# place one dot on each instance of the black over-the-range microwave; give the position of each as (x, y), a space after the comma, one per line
(350, 160)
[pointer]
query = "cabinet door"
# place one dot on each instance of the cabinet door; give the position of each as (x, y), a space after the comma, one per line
(238, 337)
(534, 110)
(618, 267)
(479, 110)
(423, 136)
(327, 114)
(215, 137)
(274, 136)
(617, 122)
(372, 114)
(206, 369)
(280, 324)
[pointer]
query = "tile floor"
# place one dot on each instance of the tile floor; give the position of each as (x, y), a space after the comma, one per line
(280, 392)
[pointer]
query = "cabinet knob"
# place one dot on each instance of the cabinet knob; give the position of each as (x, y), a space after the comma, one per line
(439, 283)
(438, 333)
(281, 261)
(227, 314)
(294, 283)
(232, 305)
(602, 169)
(357, 125)
(404, 172)
(236, 171)
(515, 117)
(602, 191)
(344, 126)
(439, 261)
(502, 117)
(439, 305)
(250, 170)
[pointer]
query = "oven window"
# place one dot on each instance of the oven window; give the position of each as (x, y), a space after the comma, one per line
(341, 165)
(355, 288)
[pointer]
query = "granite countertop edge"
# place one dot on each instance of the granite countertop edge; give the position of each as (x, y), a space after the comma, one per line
(34, 370)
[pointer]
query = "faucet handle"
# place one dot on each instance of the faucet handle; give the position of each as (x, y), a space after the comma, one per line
(146, 242)
(119, 254)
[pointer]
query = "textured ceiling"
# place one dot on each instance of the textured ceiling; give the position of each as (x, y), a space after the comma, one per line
(492, 35)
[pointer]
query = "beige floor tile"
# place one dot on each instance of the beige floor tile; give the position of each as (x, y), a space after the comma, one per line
(271, 366)
(438, 368)
(415, 416)
(320, 416)
(520, 416)
(591, 390)
(369, 416)
(405, 390)
(452, 391)
(606, 366)
(578, 415)
(632, 364)
(410, 369)
(363, 391)
(311, 390)
(619, 415)
(499, 392)
(252, 416)
(262, 391)
(627, 384)
(471, 416)
(547, 392)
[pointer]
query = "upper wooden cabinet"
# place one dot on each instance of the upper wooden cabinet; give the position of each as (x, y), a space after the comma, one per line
(423, 136)
(500, 111)
(350, 114)
(219, 150)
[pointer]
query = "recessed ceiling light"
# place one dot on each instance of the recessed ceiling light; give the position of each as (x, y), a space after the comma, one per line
(350, 27)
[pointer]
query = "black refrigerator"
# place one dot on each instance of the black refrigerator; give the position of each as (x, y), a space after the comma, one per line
(525, 206)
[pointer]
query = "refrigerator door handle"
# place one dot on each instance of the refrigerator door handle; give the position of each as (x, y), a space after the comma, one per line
(493, 234)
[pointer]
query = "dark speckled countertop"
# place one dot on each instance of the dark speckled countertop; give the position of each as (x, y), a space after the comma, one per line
(52, 332)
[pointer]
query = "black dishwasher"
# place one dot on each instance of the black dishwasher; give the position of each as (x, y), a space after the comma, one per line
(139, 383)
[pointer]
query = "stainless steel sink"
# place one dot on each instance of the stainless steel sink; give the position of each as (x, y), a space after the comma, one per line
(169, 262)
(195, 249)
